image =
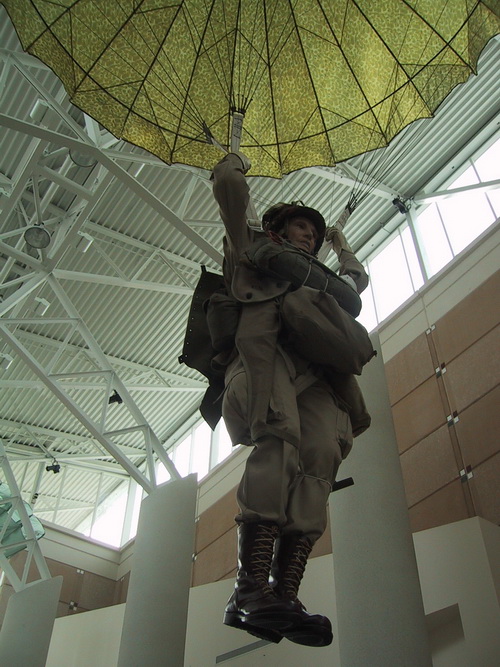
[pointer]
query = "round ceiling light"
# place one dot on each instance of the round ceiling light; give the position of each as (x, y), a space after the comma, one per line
(37, 237)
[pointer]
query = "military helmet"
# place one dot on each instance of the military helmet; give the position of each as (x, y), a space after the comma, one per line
(276, 217)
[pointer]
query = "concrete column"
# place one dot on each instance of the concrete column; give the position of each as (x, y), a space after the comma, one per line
(381, 621)
(154, 628)
(28, 623)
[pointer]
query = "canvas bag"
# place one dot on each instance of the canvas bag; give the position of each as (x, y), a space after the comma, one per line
(323, 332)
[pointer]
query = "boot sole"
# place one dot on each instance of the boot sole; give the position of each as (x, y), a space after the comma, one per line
(309, 637)
(234, 621)
(279, 621)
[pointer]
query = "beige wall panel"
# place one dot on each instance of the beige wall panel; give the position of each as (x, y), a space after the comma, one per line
(216, 520)
(428, 466)
(216, 560)
(478, 429)
(444, 506)
(72, 580)
(409, 368)
(485, 489)
(96, 591)
(418, 414)
(475, 372)
(468, 321)
(121, 588)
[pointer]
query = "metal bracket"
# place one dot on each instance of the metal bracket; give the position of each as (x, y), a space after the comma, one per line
(466, 474)
(452, 419)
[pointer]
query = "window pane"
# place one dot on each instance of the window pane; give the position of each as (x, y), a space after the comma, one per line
(368, 316)
(493, 197)
(465, 216)
(162, 474)
(434, 245)
(181, 456)
(390, 278)
(201, 449)
(469, 177)
(488, 164)
(224, 444)
(109, 526)
(488, 168)
(412, 259)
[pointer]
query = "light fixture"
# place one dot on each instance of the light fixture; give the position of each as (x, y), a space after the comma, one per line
(82, 159)
(55, 467)
(85, 242)
(115, 398)
(37, 236)
(42, 306)
(5, 360)
(400, 205)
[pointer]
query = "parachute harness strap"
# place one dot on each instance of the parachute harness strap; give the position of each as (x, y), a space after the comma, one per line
(307, 274)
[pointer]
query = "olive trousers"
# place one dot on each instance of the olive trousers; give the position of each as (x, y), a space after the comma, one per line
(290, 485)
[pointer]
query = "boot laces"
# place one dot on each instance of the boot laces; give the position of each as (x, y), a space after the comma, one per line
(295, 570)
(263, 552)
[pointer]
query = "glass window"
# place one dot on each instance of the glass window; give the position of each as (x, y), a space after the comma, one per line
(200, 461)
(434, 244)
(488, 169)
(182, 455)
(390, 278)
(108, 526)
(368, 315)
(162, 474)
(465, 216)
(487, 165)
(223, 444)
(411, 257)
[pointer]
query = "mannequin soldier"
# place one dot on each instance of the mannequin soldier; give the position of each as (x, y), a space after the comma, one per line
(285, 406)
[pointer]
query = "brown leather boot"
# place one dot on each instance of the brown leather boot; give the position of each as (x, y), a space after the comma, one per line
(253, 606)
(289, 562)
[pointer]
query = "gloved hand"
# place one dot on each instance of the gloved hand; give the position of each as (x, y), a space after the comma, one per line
(247, 165)
(339, 242)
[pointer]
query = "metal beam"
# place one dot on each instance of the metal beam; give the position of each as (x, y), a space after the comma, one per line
(29, 384)
(350, 175)
(147, 196)
(95, 228)
(121, 282)
(59, 448)
(21, 293)
(68, 403)
(116, 362)
(64, 182)
(424, 197)
(150, 437)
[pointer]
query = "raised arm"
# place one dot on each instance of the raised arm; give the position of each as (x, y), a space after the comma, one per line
(349, 265)
(232, 194)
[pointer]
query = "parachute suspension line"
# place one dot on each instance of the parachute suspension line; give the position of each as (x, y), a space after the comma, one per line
(376, 164)
(374, 158)
(219, 71)
(436, 81)
(392, 155)
(174, 86)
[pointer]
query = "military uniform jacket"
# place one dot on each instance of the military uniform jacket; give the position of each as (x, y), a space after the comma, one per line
(274, 374)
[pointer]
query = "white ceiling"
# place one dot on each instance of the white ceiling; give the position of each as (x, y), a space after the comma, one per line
(117, 312)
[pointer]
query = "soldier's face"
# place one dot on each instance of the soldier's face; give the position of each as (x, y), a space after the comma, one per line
(302, 234)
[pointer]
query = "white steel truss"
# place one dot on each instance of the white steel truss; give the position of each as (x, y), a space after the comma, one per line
(28, 540)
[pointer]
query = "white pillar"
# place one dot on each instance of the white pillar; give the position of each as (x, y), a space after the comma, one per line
(154, 628)
(381, 620)
(28, 623)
